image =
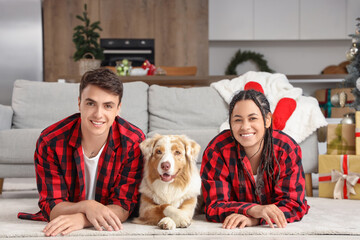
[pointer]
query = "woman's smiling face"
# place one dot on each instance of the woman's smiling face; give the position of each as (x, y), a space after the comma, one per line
(247, 124)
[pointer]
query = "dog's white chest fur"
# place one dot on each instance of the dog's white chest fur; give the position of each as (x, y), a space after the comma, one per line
(165, 193)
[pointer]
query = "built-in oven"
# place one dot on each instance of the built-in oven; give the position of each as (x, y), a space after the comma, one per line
(134, 50)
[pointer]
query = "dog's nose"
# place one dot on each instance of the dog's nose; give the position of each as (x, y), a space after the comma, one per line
(165, 166)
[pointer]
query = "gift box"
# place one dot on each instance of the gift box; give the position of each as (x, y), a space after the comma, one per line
(339, 176)
(357, 132)
(330, 111)
(337, 112)
(341, 139)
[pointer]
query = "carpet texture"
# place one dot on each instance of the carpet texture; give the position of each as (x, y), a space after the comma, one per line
(326, 217)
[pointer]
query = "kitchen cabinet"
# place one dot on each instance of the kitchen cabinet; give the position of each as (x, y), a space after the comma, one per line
(322, 19)
(282, 19)
(353, 12)
(231, 19)
(274, 20)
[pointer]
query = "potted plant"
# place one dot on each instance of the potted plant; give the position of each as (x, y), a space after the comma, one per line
(85, 37)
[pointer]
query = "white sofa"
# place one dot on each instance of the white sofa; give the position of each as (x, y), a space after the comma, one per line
(197, 112)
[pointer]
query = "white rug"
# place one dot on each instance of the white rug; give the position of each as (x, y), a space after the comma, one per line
(326, 217)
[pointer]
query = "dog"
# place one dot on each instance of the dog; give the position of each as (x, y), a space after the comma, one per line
(171, 181)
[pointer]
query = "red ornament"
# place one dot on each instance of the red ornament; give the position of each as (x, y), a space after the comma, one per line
(148, 65)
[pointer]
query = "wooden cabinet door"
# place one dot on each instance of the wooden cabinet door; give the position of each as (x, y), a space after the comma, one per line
(127, 18)
(181, 30)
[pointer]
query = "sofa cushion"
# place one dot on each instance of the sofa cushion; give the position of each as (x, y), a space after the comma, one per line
(185, 108)
(201, 136)
(18, 145)
(134, 107)
(40, 104)
(310, 151)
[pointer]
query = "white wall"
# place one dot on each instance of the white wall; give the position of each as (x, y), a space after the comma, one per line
(292, 57)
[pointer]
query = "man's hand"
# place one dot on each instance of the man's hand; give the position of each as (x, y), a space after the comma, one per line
(235, 219)
(65, 224)
(269, 212)
(100, 216)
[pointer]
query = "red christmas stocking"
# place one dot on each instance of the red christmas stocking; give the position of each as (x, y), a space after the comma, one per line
(284, 108)
(255, 86)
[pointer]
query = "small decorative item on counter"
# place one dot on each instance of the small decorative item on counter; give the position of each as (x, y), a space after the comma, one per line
(138, 71)
(341, 139)
(160, 72)
(123, 68)
(88, 64)
(339, 176)
(148, 65)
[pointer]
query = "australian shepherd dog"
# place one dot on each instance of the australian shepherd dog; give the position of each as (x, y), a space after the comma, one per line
(171, 181)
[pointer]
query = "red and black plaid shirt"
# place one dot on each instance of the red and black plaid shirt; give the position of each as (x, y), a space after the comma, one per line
(59, 165)
(226, 191)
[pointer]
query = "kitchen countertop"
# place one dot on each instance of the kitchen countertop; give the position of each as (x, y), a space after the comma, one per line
(207, 80)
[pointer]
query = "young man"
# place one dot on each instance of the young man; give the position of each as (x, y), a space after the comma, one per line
(89, 165)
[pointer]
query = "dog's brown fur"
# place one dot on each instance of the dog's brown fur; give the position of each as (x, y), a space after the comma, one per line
(169, 195)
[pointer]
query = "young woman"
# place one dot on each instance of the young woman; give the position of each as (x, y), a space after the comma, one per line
(251, 174)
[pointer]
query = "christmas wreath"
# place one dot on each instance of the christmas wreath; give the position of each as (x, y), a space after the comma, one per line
(241, 57)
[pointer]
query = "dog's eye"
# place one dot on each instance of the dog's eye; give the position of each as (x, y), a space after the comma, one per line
(158, 151)
(177, 152)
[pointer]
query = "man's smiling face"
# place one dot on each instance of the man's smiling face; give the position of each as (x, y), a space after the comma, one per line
(98, 109)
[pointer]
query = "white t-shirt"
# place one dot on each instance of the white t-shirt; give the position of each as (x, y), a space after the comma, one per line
(90, 174)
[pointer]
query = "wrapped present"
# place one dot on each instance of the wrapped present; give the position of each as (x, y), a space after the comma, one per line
(339, 176)
(337, 112)
(357, 132)
(341, 139)
(329, 110)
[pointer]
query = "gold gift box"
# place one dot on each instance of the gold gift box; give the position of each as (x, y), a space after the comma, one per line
(345, 165)
(341, 139)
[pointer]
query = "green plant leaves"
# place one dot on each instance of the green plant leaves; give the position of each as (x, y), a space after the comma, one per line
(86, 37)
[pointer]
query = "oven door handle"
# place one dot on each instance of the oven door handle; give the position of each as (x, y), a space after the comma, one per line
(107, 51)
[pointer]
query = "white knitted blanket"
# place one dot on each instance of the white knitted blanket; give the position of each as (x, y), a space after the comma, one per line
(306, 118)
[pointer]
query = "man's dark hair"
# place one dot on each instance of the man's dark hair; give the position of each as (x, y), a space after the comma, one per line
(104, 79)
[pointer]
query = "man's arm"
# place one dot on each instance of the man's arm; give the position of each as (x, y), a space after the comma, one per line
(125, 195)
(120, 212)
(96, 214)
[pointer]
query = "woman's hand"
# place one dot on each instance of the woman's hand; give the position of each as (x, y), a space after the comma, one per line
(235, 219)
(269, 212)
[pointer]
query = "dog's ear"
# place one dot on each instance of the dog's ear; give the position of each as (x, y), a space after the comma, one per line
(192, 148)
(147, 146)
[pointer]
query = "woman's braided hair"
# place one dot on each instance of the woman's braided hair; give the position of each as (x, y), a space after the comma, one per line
(267, 153)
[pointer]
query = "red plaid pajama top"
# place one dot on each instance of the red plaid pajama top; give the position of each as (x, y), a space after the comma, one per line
(59, 165)
(226, 192)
